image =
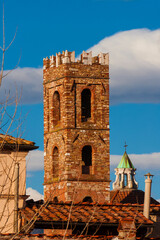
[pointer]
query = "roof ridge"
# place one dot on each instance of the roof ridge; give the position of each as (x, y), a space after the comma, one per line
(114, 196)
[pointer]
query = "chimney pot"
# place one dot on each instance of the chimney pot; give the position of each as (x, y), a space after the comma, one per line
(147, 195)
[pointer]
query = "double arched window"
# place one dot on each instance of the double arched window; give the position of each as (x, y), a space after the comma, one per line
(55, 158)
(56, 108)
(87, 159)
(85, 104)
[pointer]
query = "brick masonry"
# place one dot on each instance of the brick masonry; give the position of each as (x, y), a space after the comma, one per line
(69, 134)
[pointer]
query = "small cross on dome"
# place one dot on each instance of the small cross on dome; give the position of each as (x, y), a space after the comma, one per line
(125, 146)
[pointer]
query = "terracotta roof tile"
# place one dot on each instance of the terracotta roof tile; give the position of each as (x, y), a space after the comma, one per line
(7, 141)
(56, 237)
(12, 140)
(108, 213)
(129, 196)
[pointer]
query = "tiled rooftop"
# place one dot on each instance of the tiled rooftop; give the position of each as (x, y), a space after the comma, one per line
(128, 196)
(84, 212)
(7, 141)
(57, 237)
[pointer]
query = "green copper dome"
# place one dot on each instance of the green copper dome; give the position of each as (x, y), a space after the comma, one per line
(125, 162)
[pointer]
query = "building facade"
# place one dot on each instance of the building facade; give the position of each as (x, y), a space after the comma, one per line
(13, 152)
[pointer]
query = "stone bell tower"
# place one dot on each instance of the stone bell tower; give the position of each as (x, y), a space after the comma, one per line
(76, 127)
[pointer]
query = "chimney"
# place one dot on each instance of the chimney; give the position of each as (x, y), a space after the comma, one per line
(147, 196)
(127, 229)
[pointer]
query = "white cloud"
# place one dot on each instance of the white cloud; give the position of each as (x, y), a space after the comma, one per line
(34, 194)
(134, 69)
(134, 65)
(140, 161)
(35, 160)
(27, 82)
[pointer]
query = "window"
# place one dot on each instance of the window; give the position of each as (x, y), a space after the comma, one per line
(56, 108)
(87, 199)
(87, 159)
(119, 177)
(125, 180)
(55, 161)
(55, 200)
(85, 105)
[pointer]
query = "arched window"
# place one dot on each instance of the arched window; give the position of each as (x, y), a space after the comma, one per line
(56, 108)
(85, 105)
(87, 159)
(55, 200)
(87, 199)
(119, 177)
(125, 180)
(55, 161)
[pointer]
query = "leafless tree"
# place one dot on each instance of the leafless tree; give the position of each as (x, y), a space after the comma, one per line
(10, 123)
(4, 49)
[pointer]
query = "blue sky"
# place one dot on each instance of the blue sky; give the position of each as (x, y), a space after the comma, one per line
(130, 32)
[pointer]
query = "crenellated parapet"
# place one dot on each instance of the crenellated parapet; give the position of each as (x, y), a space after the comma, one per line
(69, 57)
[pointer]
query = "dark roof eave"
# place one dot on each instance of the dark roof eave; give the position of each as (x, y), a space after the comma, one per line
(113, 224)
(18, 147)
